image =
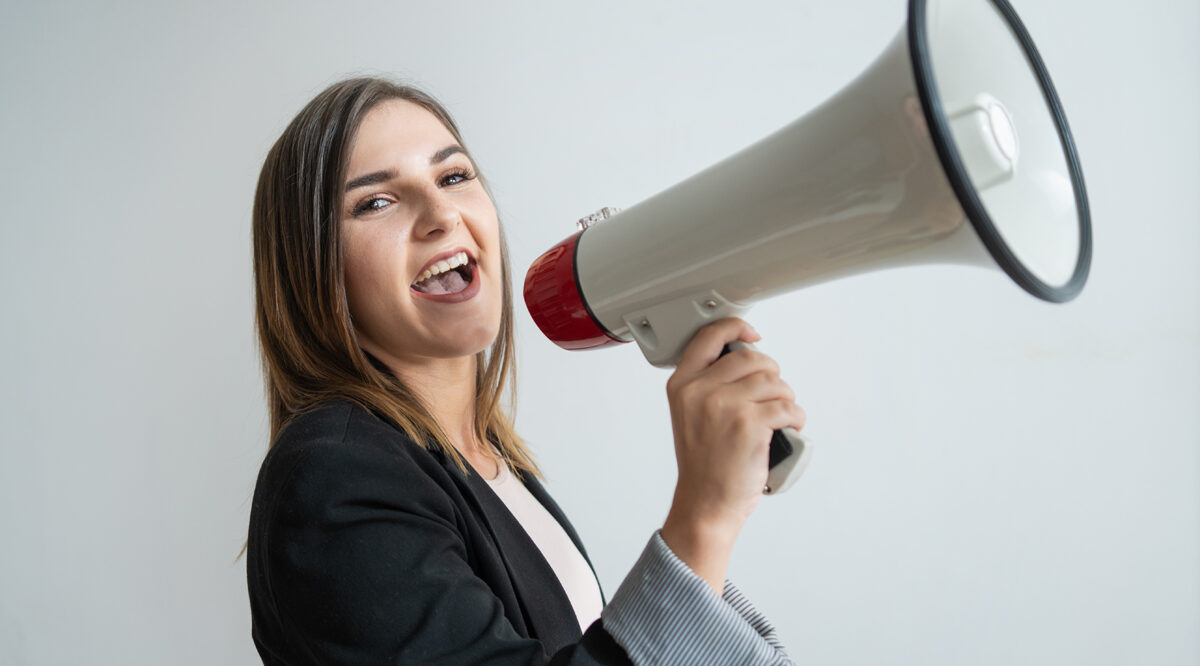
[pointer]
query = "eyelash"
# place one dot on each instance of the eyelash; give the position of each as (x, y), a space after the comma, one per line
(460, 172)
(365, 206)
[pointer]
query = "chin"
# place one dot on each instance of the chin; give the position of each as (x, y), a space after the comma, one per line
(467, 345)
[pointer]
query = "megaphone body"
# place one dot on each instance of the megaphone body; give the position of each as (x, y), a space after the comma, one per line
(951, 148)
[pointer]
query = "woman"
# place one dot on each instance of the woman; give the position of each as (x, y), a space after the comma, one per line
(397, 517)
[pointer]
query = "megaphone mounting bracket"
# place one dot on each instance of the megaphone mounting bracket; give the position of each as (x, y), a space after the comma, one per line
(664, 329)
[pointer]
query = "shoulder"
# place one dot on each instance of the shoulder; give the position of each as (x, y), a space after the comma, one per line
(339, 424)
(346, 512)
(340, 454)
(341, 432)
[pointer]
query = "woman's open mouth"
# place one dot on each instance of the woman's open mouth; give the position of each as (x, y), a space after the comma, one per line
(450, 279)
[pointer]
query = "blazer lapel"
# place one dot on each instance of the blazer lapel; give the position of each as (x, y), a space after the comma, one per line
(536, 489)
(544, 603)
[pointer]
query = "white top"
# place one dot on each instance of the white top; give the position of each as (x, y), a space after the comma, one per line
(560, 552)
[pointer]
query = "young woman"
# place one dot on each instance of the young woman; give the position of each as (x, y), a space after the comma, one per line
(397, 517)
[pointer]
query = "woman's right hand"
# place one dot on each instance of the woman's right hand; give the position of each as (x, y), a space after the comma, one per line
(724, 410)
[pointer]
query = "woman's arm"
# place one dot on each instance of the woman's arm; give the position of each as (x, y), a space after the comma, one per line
(723, 412)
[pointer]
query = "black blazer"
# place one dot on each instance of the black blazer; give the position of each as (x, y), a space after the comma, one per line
(364, 548)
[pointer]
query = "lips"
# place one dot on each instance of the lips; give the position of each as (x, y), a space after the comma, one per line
(448, 277)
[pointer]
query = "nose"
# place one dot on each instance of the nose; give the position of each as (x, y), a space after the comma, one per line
(439, 217)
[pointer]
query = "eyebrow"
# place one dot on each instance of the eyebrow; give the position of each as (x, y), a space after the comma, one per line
(377, 177)
(371, 179)
(441, 155)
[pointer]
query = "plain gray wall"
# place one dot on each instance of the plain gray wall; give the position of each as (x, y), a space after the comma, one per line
(998, 480)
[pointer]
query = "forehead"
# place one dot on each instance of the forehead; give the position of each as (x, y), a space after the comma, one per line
(398, 134)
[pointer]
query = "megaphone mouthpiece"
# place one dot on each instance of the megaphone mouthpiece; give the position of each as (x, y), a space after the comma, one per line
(556, 303)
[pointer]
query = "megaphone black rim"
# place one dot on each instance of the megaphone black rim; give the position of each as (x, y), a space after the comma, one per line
(956, 172)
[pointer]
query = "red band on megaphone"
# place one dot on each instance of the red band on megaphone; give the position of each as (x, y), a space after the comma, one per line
(556, 304)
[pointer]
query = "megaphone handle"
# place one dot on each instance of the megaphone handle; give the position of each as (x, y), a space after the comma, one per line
(790, 451)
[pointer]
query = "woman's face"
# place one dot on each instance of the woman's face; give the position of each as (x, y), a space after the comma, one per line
(421, 241)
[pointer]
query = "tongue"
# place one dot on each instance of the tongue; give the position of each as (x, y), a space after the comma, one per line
(449, 282)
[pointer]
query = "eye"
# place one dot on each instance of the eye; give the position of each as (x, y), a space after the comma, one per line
(456, 177)
(370, 205)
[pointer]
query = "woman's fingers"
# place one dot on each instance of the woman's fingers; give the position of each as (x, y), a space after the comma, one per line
(761, 387)
(706, 345)
(755, 407)
(780, 414)
(741, 363)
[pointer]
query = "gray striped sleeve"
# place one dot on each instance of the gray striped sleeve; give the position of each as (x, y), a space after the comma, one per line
(663, 613)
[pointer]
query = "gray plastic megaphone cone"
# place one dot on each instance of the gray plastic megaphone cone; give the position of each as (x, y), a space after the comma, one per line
(951, 148)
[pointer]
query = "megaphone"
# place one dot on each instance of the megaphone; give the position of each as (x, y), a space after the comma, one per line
(952, 147)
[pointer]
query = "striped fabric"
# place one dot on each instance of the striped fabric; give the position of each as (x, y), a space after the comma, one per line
(663, 613)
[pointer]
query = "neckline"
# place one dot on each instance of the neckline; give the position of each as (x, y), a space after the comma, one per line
(502, 475)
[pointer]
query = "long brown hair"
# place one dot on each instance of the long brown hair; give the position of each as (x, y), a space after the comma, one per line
(310, 352)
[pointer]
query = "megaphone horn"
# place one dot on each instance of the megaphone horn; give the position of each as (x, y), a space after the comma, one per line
(952, 147)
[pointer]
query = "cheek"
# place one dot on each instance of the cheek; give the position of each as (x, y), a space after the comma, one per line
(355, 268)
(370, 278)
(486, 223)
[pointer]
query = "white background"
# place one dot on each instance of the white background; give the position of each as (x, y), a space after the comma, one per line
(999, 480)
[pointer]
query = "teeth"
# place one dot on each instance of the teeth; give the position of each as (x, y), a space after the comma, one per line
(440, 267)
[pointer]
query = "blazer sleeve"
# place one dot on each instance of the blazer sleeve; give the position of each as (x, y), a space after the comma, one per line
(365, 564)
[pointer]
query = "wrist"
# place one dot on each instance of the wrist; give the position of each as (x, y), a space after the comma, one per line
(705, 545)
